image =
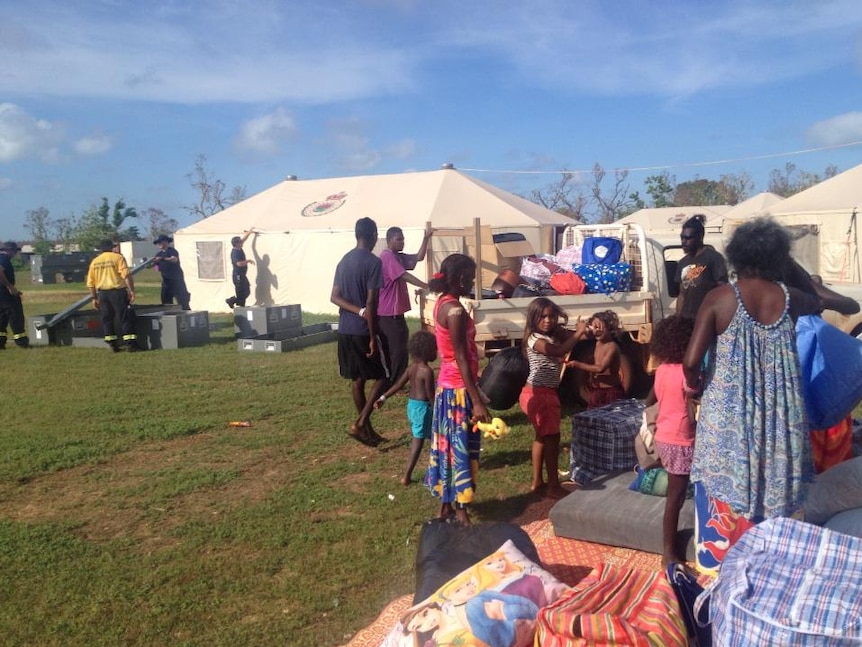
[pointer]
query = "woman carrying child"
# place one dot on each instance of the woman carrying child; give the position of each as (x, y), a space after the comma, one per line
(454, 461)
(605, 384)
(546, 343)
(675, 424)
(423, 350)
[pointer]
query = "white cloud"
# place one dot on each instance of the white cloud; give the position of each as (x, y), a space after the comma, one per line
(267, 134)
(6, 183)
(93, 145)
(324, 52)
(842, 129)
(353, 150)
(191, 53)
(23, 136)
(629, 48)
(402, 150)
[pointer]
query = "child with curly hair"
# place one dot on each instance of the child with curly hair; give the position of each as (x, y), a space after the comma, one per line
(605, 383)
(675, 424)
(420, 397)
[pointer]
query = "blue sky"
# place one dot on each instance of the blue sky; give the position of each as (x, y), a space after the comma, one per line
(114, 98)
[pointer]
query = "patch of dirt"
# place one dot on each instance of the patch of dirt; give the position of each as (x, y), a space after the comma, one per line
(353, 482)
(104, 501)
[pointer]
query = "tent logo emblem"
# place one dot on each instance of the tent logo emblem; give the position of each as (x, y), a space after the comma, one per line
(323, 207)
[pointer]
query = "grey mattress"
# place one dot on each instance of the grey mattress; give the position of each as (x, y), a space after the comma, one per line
(605, 511)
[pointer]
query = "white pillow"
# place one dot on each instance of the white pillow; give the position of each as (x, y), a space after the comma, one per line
(837, 489)
(495, 601)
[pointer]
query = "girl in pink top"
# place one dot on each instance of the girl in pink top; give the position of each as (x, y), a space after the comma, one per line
(675, 424)
(454, 461)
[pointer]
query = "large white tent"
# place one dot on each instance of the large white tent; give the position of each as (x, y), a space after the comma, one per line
(305, 227)
(828, 211)
(664, 223)
(757, 205)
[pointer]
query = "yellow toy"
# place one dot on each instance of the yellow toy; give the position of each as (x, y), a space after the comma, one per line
(495, 429)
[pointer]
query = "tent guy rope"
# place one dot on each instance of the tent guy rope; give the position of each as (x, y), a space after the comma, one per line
(665, 167)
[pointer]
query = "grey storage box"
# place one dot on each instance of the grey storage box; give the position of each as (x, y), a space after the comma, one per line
(82, 327)
(168, 330)
(603, 439)
(308, 336)
(606, 511)
(257, 321)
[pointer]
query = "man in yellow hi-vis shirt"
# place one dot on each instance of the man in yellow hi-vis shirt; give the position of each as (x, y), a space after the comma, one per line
(113, 290)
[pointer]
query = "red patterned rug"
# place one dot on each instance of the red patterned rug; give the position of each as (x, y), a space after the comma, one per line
(568, 559)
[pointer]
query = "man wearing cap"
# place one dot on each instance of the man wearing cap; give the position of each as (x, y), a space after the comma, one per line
(167, 261)
(113, 290)
(11, 308)
(240, 264)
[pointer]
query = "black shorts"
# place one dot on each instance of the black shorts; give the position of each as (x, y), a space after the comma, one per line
(353, 362)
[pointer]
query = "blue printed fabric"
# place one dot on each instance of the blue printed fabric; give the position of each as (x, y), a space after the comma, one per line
(605, 279)
(752, 448)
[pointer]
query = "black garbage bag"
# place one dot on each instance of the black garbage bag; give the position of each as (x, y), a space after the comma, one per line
(446, 549)
(504, 377)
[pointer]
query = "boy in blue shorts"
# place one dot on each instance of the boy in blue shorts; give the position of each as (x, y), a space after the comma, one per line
(420, 397)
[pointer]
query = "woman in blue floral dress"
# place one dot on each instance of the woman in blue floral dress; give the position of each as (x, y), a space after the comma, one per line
(752, 455)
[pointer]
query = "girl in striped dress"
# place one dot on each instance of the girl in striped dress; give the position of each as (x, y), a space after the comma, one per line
(546, 343)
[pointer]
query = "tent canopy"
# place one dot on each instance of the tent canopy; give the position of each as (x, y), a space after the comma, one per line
(447, 198)
(664, 223)
(842, 192)
(828, 211)
(306, 226)
(755, 205)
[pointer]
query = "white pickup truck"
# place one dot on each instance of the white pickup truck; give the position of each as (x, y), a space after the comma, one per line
(500, 321)
(651, 297)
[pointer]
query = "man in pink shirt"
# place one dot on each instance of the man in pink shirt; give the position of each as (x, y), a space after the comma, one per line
(394, 298)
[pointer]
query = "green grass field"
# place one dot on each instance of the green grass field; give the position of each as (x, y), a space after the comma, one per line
(132, 514)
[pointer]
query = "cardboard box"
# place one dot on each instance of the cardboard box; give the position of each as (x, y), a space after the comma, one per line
(506, 253)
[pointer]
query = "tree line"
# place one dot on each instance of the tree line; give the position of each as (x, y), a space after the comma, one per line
(121, 222)
(603, 198)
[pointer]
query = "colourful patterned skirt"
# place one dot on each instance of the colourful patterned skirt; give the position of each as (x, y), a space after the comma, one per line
(717, 527)
(454, 463)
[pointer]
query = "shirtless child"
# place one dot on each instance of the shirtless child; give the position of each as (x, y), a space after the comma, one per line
(420, 397)
(605, 384)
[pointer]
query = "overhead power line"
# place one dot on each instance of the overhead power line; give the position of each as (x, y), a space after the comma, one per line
(665, 167)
